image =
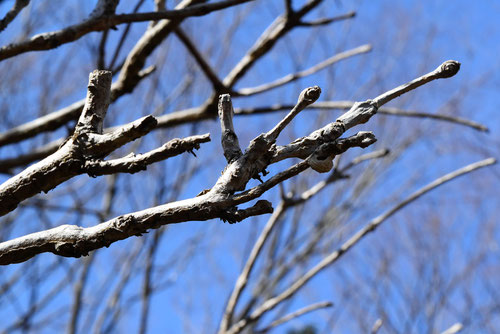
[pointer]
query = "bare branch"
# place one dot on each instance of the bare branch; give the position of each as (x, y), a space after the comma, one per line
(229, 139)
(200, 60)
(295, 76)
(58, 118)
(456, 328)
(340, 146)
(104, 8)
(83, 150)
(326, 21)
(280, 27)
(307, 96)
(131, 74)
(376, 326)
(288, 7)
(134, 163)
(11, 14)
(242, 280)
(51, 40)
(346, 246)
(63, 164)
(74, 241)
(446, 70)
(295, 314)
(96, 103)
(6, 165)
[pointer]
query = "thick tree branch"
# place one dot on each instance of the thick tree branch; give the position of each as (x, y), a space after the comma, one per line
(318, 149)
(86, 145)
(63, 164)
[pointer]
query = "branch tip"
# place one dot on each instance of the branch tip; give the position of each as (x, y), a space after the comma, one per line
(309, 95)
(449, 68)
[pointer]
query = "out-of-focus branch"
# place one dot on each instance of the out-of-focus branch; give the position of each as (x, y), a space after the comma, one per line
(51, 40)
(326, 21)
(7, 165)
(200, 60)
(376, 326)
(456, 328)
(294, 315)
(346, 246)
(280, 27)
(242, 280)
(11, 14)
(295, 76)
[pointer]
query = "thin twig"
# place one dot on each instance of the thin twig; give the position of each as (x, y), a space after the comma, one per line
(307, 96)
(445, 70)
(295, 314)
(456, 328)
(242, 280)
(326, 21)
(295, 76)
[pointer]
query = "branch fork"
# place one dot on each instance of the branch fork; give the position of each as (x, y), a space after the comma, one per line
(315, 150)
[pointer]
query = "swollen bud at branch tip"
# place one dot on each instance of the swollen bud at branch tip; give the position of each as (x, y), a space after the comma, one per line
(310, 94)
(449, 68)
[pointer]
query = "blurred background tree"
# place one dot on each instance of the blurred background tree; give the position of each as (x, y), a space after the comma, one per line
(431, 267)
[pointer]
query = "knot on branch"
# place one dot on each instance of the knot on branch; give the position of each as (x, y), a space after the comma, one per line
(449, 68)
(359, 113)
(322, 158)
(321, 165)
